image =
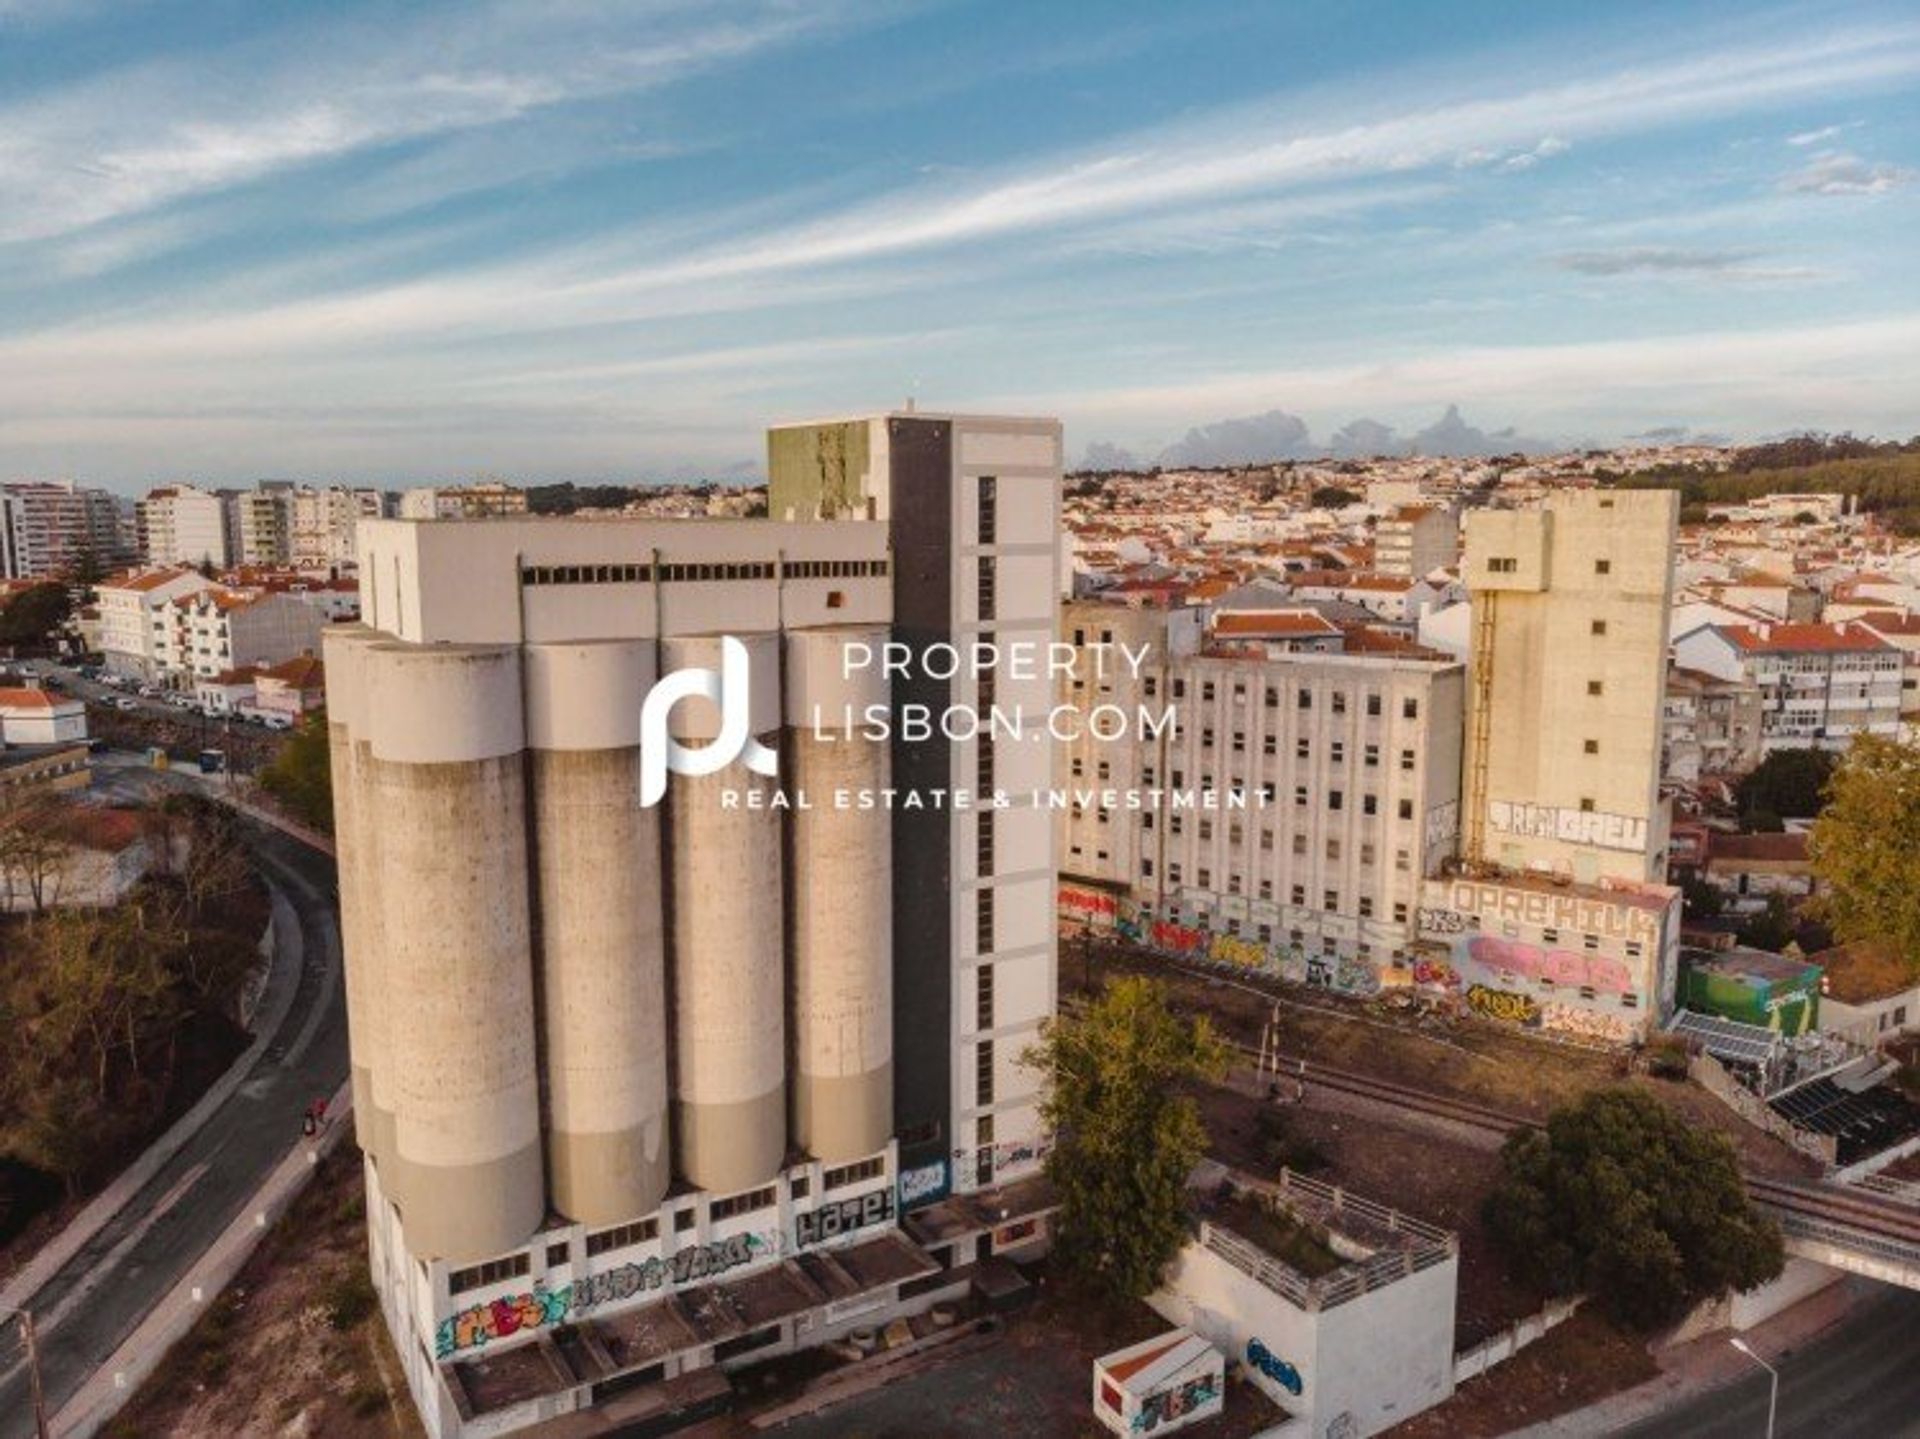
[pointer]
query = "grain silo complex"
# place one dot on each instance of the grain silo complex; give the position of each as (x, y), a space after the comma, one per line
(651, 1090)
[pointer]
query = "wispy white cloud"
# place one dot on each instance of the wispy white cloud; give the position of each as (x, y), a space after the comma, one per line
(1804, 138)
(1690, 265)
(126, 142)
(1839, 172)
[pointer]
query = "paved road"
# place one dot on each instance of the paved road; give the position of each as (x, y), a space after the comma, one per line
(1859, 1381)
(88, 1307)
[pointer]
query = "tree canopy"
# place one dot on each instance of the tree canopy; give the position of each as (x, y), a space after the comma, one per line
(32, 616)
(1787, 784)
(1866, 847)
(1126, 1136)
(301, 775)
(1620, 1198)
(1333, 497)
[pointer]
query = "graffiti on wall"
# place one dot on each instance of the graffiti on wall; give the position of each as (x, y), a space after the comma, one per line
(1181, 1401)
(1506, 1005)
(1443, 923)
(1266, 1362)
(1089, 906)
(1573, 826)
(1625, 917)
(1559, 966)
(702, 1261)
(1436, 974)
(924, 1184)
(481, 1324)
(1585, 1023)
(843, 1216)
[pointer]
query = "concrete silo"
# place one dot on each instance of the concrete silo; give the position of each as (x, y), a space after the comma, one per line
(358, 881)
(448, 790)
(602, 947)
(842, 904)
(729, 992)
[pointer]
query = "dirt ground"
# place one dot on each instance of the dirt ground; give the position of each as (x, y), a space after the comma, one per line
(295, 1348)
(1583, 1360)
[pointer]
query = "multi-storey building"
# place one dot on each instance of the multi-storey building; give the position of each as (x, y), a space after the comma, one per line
(1557, 916)
(1286, 813)
(1819, 685)
(135, 617)
(207, 632)
(1710, 726)
(752, 1077)
(463, 502)
(263, 523)
(324, 523)
(1415, 540)
(182, 525)
(46, 530)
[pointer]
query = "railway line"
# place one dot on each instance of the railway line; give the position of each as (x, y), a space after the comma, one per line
(1880, 1220)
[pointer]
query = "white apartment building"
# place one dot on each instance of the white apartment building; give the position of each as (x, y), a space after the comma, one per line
(46, 528)
(1334, 774)
(182, 525)
(757, 1103)
(134, 616)
(1820, 685)
(324, 523)
(206, 632)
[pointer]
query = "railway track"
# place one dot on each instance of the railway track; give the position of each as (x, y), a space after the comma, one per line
(1827, 1204)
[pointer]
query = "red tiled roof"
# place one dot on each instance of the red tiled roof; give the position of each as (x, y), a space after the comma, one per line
(1793, 638)
(1256, 623)
(1777, 848)
(27, 699)
(302, 672)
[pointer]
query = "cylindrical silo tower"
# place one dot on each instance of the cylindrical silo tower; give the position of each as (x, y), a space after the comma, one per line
(729, 991)
(357, 878)
(602, 946)
(842, 901)
(448, 789)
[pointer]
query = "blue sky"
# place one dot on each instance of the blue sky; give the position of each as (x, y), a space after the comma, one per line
(565, 239)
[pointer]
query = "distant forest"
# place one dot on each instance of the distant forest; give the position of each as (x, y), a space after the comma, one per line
(1883, 475)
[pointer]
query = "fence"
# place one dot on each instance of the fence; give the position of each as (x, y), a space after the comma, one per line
(1717, 1080)
(1510, 1341)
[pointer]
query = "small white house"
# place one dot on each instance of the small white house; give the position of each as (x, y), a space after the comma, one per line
(1159, 1385)
(34, 716)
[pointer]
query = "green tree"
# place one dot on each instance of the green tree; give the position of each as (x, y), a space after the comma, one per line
(1787, 783)
(1126, 1136)
(1333, 497)
(301, 775)
(32, 616)
(1622, 1199)
(1866, 847)
(1772, 928)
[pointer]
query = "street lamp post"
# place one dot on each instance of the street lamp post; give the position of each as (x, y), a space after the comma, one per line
(1773, 1380)
(32, 1347)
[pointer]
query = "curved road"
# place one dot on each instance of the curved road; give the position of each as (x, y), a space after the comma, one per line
(91, 1304)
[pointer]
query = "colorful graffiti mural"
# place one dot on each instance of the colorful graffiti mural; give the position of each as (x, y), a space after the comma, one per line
(1089, 906)
(1266, 1362)
(1583, 1023)
(1559, 966)
(480, 1325)
(1179, 1402)
(1505, 1005)
(1436, 974)
(924, 1184)
(700, 1262)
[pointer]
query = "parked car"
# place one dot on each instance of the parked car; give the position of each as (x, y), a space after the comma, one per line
(124, 702)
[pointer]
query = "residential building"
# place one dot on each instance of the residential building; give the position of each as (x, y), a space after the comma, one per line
(47, 530)
(206, 632)
(134, 626)
(1710, 726)
(463, 502)
(1868, 994)
(182, 525)
(292, 689)
(1415, 540)
(726, 1099)
(1819, 685)
(102, 854)
(264, 524)
(1750, 869)
(324, 523)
